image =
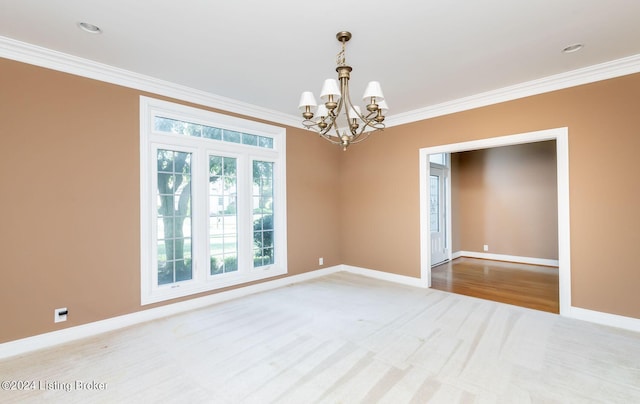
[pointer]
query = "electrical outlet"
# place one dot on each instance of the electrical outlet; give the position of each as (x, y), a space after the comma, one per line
(60, 315)
(320, 261)
(486, 247)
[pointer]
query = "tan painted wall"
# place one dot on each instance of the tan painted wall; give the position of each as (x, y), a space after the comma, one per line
(506, 197)
(380, 189)
(455, 203)
(70, 200)
(69, 196)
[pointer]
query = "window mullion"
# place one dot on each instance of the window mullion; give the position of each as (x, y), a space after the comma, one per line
(199, 206)
(245, 239)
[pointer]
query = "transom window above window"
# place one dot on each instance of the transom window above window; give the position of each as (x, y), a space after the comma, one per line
(213, 200)
(180, 127)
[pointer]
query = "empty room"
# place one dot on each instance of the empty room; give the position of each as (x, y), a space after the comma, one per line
(190, 215)
(503, 224)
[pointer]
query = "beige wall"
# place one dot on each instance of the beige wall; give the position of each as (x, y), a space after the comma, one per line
(455, 203)
(380, 189)
(506, 197)
(70, 200)
(70, 194)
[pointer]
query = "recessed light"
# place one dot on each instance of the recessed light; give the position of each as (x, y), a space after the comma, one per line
(90, 28)
(573, 48)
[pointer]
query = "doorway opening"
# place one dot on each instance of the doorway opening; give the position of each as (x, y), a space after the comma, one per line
(524, 285)
(440, 207)
(560, 135)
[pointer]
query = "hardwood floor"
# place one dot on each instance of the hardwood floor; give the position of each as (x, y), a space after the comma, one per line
(532, 286)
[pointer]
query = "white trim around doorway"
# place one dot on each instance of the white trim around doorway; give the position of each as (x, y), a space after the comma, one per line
(561, 136)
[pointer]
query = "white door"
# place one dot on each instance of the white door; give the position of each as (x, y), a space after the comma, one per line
(438, 214)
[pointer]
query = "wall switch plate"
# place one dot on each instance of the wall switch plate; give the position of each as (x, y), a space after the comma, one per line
(60, 315)
(320, 261)
(486, 247)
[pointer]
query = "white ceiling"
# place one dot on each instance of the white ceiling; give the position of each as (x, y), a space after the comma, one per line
(265, 53)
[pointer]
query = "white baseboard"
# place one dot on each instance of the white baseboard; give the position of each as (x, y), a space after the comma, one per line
(386, 276)
(29, 344)
(598, 317)
(46, 340)
(505, 257)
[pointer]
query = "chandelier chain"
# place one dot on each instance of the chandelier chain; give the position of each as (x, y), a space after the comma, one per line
(341, 59)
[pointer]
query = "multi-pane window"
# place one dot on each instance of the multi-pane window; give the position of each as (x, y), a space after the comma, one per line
(263, 230)
(180, 127)
(213, 208)
(174, 216)
(223, 215)
(434, 214)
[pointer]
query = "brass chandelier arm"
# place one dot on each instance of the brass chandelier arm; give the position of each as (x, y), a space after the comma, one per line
(368, 120)
(333, 116)
(331, 139)
(341, 121)
(362, 137)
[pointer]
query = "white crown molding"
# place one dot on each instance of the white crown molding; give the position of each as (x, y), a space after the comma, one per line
(602, 71)
(50, 59)
(43, 57)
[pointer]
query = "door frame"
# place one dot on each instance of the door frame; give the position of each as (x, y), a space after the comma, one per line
(447, 204)
(561, 136)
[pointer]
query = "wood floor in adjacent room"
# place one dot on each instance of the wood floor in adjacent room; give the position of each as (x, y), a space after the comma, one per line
(532, 286)
(340, 338)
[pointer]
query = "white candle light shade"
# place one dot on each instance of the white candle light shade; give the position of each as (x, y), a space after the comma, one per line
(330, 87)
(307, 100)
(355, 112)
(322, 111)
(373, 90)
(382, 105)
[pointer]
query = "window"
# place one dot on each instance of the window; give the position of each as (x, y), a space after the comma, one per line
(438, 158)
(174, 216)
(223, 215)
(434, 192)
(213, 198)
(262, 213)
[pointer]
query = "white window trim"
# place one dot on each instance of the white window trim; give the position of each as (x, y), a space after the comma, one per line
(202, 281)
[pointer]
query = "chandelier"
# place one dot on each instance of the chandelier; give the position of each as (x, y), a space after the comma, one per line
(337, 119)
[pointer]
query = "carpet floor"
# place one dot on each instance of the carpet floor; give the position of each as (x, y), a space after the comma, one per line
(341, 338)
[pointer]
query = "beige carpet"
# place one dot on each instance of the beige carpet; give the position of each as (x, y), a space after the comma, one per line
(342, 339)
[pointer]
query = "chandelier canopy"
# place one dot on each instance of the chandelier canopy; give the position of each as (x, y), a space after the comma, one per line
(337, 119)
